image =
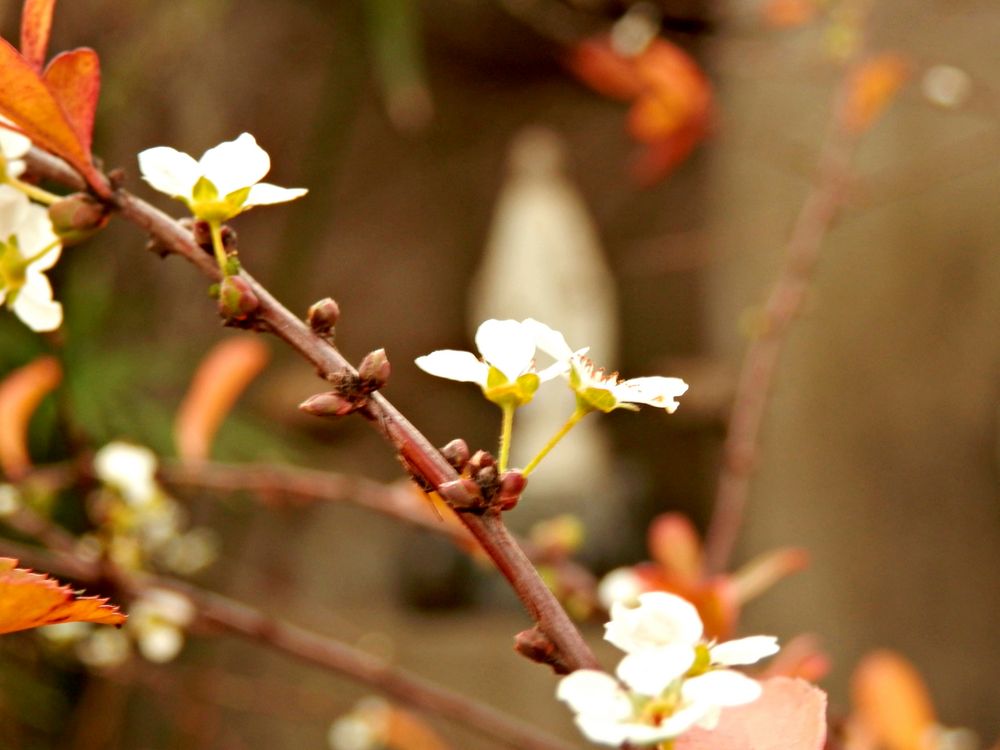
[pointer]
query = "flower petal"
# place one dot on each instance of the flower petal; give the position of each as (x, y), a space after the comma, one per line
(168, 170)
(35, 235)
(266, 194)
(721, 687)
(13, 145)
(34, 304)
(454, 365)
(649, 672)
(659, 620)
(13, 210)
(549, 340)
(654, 391)
(595, 694)
(744, 650)
(620, 585)
(507, 345)
(235, 164)
(130, 468)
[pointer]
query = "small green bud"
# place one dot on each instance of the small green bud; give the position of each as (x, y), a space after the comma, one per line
(237, 300)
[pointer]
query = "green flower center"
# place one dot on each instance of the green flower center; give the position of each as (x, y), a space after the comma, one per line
(13, 267)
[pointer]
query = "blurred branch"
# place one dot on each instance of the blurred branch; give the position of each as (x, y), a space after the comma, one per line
(784, 302)
(236, 618)
(420, 457)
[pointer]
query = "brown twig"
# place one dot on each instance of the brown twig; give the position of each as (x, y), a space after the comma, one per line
(414, 449)
(755, 382)
(239, 619)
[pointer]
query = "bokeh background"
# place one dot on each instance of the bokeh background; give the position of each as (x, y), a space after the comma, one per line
(414, 124)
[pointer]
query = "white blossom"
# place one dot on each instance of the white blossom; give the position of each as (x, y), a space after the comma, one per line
(597, 390)
(157, 621)
(505, 369)
(670, 678)
(225, 182)
(130, 469)
(28, 248)
(13, 147)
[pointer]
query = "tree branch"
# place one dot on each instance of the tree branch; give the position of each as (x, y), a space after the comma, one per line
(416, 452)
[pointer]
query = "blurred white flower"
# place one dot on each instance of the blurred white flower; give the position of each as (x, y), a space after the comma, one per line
(10, 500)
(225, 182)
(130, 469)
(13, 147)
(669, 680)
(505, 369)
(28, 248)
(105, 648)
(621, 585)
(946, 86)
(157, 621)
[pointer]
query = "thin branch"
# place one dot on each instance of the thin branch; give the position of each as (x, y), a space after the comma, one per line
(416, 452)
(756, 379)
(246, 622)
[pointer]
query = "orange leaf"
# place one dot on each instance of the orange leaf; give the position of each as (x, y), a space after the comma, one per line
(74, 78)
(674, 543)
(597, 64)
(787, 14)
(870, 88)
(789, 715)
(30, 600)
(20, 394)
(27, 100)
(892, 701)
(36, 24)
(222, 376)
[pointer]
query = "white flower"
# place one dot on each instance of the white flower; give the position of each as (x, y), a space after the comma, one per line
(157, 621)
(505, 369)
(130, 469)
(670, 678)
(607, 714)
(28, 248)
(597, 390)
(13, 147)
(225, 182)
(621, 585)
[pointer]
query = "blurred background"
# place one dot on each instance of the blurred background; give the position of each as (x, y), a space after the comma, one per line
(459, 168)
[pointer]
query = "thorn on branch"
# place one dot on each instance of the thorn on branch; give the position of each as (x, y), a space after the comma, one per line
(535, 645)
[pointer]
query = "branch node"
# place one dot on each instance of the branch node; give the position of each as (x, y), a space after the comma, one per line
(535, 645)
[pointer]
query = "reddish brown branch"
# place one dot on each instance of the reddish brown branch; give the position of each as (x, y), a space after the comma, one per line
(755, 383)
(239, 619)
(414, 449)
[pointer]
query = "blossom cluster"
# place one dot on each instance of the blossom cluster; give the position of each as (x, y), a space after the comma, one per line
(670, 680)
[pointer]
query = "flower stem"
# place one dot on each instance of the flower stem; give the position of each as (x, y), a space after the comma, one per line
(33, 191)
(575, 417)
(28, 261)
(215, 227)
(505, 435)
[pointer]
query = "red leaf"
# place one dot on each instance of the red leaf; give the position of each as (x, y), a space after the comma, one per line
(27, 100)
(30, 600)
(789, 715)
(892, 701)
(595, 63)
(74, 78)
(36, 23)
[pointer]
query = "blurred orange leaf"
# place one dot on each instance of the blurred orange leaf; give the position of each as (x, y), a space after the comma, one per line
(871, 86)
(221, 378)
(892, 702)
(36, 24)
(20, 394)
(672, 99)
(30, 600)
(789, 715)
(788, 14)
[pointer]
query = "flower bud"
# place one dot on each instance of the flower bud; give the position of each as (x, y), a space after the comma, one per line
(237, 300)
(374, 370)
(330, 404)
(323, 315)
(456, 453)
(77, 217)
(512, 484)
(480, 460)
(462, 494)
